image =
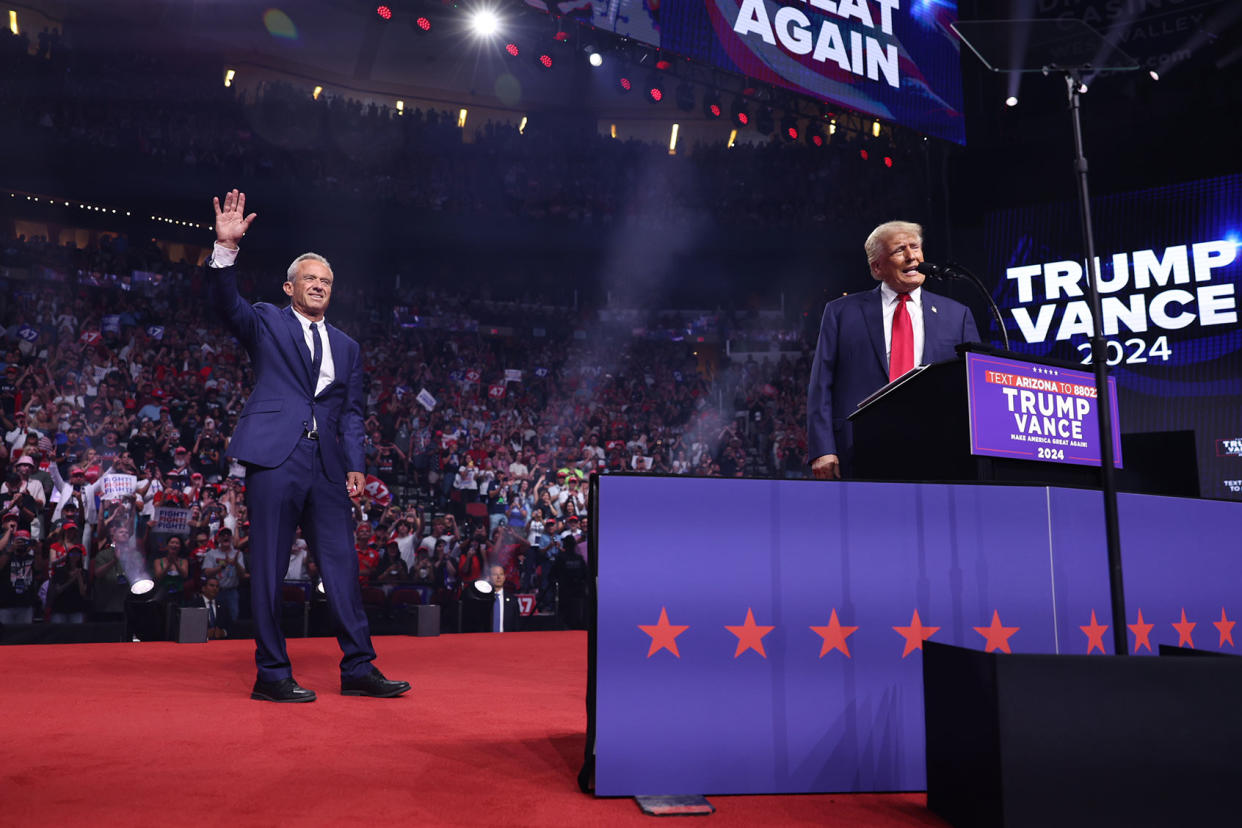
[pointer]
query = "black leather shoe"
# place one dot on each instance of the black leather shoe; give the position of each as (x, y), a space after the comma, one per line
(287, 691)
(373, 684)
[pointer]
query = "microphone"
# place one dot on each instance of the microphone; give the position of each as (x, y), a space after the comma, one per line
(936, 271)
(954, 271)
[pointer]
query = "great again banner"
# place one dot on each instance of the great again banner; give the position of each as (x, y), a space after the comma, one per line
(896, 60)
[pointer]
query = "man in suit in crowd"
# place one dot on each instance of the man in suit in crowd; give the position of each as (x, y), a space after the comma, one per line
(504, 602)
(871, 338)
(218, 618)
(300, 437)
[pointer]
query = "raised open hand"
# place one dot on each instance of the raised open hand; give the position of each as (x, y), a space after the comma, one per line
(232, 221)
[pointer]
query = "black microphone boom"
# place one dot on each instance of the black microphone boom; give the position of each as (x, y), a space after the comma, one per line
(956, 271)
(935, 271)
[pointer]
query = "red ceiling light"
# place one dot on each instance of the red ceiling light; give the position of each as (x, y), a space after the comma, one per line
(743, 119)
(817, 140)
(863, 155)
(512, 49)
(625, 83)
(656, 94)
(888, 161)
(714, 109)
(545, 60)
(561, 37)
(384, 12)
(663, 65)
(422, 24)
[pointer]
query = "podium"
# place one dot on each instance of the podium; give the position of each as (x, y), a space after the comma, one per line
(919, 427)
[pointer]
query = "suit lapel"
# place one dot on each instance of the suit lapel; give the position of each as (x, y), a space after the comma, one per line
(336, 342)
(298, 340)
(931, 321)
(873, 315)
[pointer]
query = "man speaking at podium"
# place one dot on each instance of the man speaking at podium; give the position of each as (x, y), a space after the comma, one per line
(869, 339)
(301, 438)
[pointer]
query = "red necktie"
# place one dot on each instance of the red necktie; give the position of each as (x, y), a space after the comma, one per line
(901, 355)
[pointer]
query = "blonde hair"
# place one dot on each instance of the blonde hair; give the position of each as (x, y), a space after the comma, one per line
(874, 245)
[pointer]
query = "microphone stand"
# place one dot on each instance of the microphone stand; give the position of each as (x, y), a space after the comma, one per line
(952, 270)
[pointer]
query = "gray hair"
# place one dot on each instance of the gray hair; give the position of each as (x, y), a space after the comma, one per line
(874, 245)
(293, 266)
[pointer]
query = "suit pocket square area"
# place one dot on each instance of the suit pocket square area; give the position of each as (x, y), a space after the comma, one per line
(262, 407)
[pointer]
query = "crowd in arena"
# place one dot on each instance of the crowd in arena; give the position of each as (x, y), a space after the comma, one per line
(486, 413)
(118, 397)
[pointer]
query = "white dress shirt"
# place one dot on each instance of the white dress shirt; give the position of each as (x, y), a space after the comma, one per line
(889, 303)
(327, 370)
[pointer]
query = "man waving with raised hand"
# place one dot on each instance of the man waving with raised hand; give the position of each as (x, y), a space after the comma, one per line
(300, 437)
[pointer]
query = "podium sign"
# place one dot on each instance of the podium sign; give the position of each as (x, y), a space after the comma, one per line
(1037, 412)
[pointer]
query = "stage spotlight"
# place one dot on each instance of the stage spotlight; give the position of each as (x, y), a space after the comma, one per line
(1011, 101)
(741, 115)
(484, 23)
(421, 24)
(684, 96)
(765, 121)
(482, 586)
(595, 59)
(384, 12)
(789, 128)
(711, 106)
(142, 586)
(655, 90)
(1154, 75)
(875, 128)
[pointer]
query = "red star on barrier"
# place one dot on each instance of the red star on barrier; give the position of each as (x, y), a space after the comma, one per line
(915, 634)
(834, 636)
(1141, 631)
(996, 635)
(1184, 628)
(749, 635)
(1225, 626)
(1095, 634)
(663, 634)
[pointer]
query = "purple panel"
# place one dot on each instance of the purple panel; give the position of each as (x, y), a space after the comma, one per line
(706, 551)
(1080, 576)
(1182, 555)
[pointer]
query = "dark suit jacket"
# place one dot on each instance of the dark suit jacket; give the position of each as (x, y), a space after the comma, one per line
(223, 620)
(283, 400)
(851, 363)
(511, 611)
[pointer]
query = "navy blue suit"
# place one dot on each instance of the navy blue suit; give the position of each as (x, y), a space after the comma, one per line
(851, 362)
(292, 480)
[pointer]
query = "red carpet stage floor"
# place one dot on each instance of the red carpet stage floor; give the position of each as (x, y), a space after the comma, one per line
(492, 734)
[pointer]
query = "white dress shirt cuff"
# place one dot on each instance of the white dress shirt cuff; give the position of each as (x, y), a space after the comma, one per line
(222, 256)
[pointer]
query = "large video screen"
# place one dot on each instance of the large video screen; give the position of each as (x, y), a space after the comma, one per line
(897, 60)
(1170, 273)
